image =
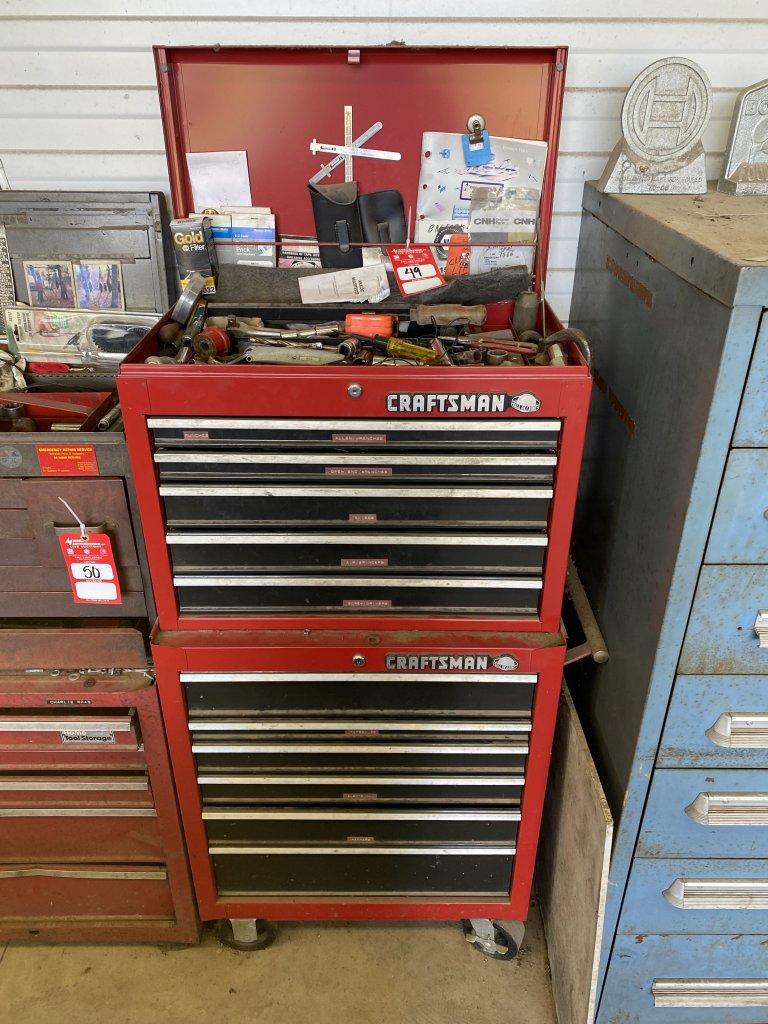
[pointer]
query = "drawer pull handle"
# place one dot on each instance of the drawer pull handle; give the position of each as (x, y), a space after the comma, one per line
(761, 627)
(343, 491)
(390, 582)
(77, 723)
(305, 458)
(718, 893)
(78, 812)
(356, 727)
(243, 814)
(469, 850)
(729, 809)
(148, 874)
(364, 426)
(416, 677)
(502, 540)
(740, 729)
(710, 992)
(244, 747)
(361, 780)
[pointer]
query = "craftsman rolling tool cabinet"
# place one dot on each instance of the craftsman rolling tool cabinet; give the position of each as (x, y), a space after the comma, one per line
(672, 540)
(91, 844)
(358, 570)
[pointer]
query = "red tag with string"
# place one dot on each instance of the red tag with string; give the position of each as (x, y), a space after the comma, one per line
(415, 268)
(91, 567)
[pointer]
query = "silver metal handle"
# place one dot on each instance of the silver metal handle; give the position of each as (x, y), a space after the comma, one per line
(729, 809)
(594, 645)
(710, 992)
(244, 747)
(378, 539)
(355, 726)
(78, 812)
(341, 491)
(378, 781)
(158, 874)
(418, 678)
(363, 459)
(87, 785)
(761, 627)
(740, 729)
(405, 582)
(75, 723)
(244, 814)
(371, 850)
(358, 426)
(718, 893)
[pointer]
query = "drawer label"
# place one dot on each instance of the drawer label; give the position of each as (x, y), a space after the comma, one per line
(358, 471)
(361, 839)
(195, 435)
(364, 563)
(359, 438)
(366, 603)
(362, 517)
(86, 736)
(67, 460)
(69, 701)
(360, 796)
(458, 662)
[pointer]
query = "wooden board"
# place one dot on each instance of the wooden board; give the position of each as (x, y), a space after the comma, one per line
(572, 871)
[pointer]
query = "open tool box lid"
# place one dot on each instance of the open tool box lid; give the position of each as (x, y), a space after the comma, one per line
(271, 102)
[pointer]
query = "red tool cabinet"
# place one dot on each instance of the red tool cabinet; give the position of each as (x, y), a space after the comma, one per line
(91, 845)
(423, 756)
(358, 570)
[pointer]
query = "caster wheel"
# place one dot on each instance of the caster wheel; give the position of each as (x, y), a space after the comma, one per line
(495, 939)
(264, 931)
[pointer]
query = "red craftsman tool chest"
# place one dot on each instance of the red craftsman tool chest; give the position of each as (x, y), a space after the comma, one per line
(91, 845)
(358, 569)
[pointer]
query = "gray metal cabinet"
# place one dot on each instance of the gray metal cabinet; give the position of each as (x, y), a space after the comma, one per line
(671, 540)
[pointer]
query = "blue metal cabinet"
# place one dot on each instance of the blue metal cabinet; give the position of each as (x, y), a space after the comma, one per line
(671, 540)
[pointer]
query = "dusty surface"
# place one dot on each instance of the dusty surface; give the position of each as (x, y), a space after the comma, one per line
(329, 974)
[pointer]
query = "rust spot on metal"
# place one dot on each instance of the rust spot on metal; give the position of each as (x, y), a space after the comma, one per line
(640, 938)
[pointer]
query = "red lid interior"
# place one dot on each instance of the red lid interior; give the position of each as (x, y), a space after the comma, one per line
(271, 102)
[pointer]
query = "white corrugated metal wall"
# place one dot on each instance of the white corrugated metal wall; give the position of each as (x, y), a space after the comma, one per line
(79, 109)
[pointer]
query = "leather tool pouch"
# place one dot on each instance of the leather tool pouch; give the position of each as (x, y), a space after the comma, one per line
(337, 219)
(383, 217)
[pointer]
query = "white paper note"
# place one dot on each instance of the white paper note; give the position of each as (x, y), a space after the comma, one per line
(359, 284)
(219, 179)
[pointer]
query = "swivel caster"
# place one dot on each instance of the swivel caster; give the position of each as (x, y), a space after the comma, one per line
(496, 939)
(246, 934)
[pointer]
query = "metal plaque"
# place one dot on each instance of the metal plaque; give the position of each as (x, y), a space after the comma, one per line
(745, 171)
(664, 115)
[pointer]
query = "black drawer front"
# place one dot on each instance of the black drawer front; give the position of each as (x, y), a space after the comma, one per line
(228, 466)
(370, 871)
(356, 435)
(220, 788)
(364, 506)
(282, 594)
(390, 692)
(335, 825)
(348, 553)
(356, 757)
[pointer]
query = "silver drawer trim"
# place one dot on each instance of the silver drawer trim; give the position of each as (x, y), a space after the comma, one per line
(408, 582)
(143, 874)
(342, 491)
(330, 459)
(361, 780)
(77, 812)
(740, 729)
(729, 809)
(710, 992)
(389, 539)
(358, 677)
(85, 785)
(357, 748)
(411, 851)
(352, 725)
(242, 814)
(77, 723)
(356, 426)
(718, 893)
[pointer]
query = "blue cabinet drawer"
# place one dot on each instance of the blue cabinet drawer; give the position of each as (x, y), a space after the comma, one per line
(740, 527)
(706, 813)
(686, 979)
(721, 634)
(695, 897)
(717, 722)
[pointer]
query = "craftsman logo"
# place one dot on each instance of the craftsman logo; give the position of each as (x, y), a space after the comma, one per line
(450, 662)
(473, 402)
(83, 736)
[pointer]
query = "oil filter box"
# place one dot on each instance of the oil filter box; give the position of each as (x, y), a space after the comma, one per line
(195, 251)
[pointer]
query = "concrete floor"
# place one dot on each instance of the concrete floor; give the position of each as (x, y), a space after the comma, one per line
(326, 974)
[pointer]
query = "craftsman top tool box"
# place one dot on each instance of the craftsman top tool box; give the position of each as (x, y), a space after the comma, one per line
(339, 496)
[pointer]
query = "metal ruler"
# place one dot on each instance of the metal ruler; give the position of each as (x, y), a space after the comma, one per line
(348, 142)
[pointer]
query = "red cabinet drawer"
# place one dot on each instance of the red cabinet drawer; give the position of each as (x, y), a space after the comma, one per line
(74, 790)
(80, 833)
(83, 893)
(77, 731)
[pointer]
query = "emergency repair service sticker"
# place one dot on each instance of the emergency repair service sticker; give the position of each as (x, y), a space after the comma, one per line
(471, 402)
(450, 662)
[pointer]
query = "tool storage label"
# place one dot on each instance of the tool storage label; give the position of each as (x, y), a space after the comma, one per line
(91, 567)
(472, 402)
(86, 736)
(455, 662)
(67, 460)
